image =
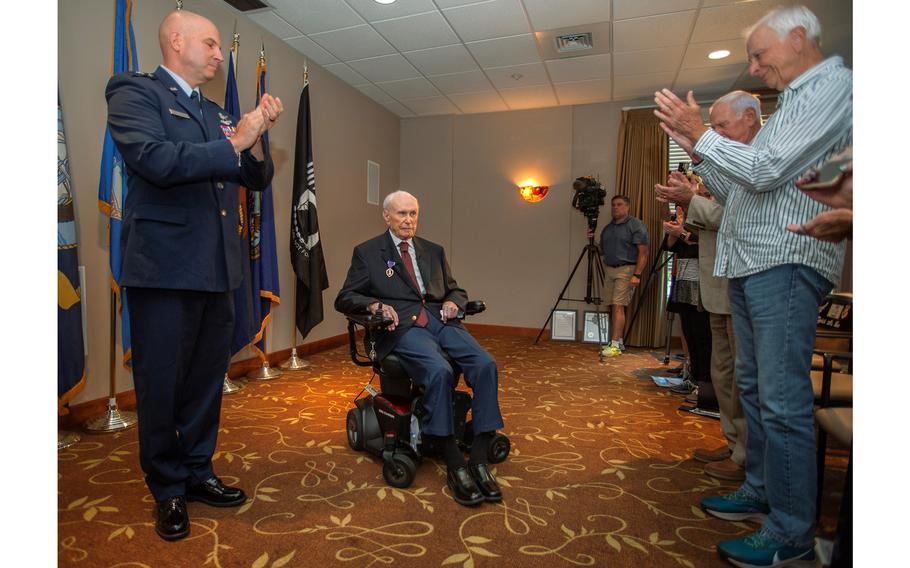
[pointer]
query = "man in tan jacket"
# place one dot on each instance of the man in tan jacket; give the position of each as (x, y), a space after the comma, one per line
(737, 116)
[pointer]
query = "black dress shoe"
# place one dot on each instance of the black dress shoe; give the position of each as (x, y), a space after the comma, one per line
(464, 490)
(216, 494)
(172, 521)
(485, 482)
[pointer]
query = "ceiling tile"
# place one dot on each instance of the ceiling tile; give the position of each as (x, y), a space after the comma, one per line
(312, 50)
(313, 16)
(529, 97)
(697, 54)
(432, 105)
(273, 23)
(505, 51)
(527, 75)
(635, 86)
(398, 108)
(654, 60)
(418, 88)
(346, 74)
(728, 22)
(442, 60)
(718, 80)
(580, 68)
(625, 9)
(452, 3)
(470, 82)
(417, 32)
(583, 92)
(385, 68)
(550, 14)
(372, 11)
(358, 42)
(479, 102)
(486, 20)
(639, 33)
(375, 93)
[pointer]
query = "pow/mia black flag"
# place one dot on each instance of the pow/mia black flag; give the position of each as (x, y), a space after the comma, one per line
(306, 249)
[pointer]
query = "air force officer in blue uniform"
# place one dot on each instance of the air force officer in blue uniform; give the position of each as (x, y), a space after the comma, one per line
(185, 157)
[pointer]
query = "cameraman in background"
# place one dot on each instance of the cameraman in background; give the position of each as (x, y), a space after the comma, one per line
(624, 245)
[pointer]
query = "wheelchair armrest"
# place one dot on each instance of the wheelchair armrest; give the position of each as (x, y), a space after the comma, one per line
(474, 307)
(370, 323)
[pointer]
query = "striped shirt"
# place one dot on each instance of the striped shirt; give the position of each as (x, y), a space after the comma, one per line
(755, 182)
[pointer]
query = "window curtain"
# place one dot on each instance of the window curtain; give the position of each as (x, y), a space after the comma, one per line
(641, 162)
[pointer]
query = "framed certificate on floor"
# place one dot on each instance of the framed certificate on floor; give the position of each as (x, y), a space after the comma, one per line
(562, 327)
(591, 332)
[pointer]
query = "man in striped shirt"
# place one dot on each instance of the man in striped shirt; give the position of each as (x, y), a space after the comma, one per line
(777, 278)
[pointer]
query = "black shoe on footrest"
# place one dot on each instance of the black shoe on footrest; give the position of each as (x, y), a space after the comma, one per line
(464, 490)
(213, 492)
(172, 522)
(485, 482)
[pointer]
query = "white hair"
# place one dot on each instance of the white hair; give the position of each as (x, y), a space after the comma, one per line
(786, 18)
(387, 202)
(739, 101)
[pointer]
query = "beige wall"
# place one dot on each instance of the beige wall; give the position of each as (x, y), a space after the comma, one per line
(465, 169)
(348, 129)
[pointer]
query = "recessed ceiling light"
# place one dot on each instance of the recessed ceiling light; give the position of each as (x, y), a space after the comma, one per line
(719, 54)
(384, 1)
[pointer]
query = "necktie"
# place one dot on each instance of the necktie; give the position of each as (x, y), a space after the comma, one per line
(198, 100)
(409, 266)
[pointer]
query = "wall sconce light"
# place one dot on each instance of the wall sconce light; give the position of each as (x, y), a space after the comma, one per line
(533, 193)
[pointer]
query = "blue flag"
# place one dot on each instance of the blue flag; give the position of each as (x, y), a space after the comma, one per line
(245, 327)
(70, 350)
(263, 253)
(112, 187)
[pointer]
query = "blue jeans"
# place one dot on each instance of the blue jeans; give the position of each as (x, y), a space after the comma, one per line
(774, 318)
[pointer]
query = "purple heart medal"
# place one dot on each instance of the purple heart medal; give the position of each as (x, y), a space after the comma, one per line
(389, 272)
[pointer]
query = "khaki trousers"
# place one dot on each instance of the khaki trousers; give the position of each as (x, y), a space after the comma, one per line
(732, 420)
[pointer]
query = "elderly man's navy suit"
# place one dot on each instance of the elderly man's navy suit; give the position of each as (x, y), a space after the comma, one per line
(369, 281)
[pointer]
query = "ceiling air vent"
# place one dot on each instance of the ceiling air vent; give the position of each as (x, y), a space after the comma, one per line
(574, 42)
(248, 5)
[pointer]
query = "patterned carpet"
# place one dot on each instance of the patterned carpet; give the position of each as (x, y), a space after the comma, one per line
(600, 475)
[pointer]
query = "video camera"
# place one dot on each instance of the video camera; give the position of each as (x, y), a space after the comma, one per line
(588, 198)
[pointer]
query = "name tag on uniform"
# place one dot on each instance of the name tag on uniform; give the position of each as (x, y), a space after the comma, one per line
(178, 113)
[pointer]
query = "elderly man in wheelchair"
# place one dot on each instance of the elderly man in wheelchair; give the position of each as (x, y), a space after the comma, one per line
(400, 289)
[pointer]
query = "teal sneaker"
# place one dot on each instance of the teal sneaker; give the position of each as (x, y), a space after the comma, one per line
(760, 549)
(736, 506)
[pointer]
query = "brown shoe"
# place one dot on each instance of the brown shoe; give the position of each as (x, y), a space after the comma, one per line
(708, 456)
(726, 469)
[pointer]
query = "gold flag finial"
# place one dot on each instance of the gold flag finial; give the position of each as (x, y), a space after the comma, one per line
(261, 50)
(306, 72)
(180, 4)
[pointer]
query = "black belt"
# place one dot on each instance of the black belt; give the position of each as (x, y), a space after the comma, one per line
(618, 265)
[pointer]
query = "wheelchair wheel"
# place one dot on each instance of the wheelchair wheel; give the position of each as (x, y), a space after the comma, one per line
(355, 429)
(499, 448)
(399, 471)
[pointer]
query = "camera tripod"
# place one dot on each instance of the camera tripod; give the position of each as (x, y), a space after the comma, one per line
(593, 282)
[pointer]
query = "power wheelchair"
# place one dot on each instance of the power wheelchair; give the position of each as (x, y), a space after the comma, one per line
(387, 423)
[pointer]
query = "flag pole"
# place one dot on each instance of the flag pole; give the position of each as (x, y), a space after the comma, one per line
(112, 420)
(264, 373)
(229, 386)
(295, 363)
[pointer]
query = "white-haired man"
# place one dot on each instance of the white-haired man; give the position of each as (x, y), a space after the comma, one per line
(777, 278)
(737, 116)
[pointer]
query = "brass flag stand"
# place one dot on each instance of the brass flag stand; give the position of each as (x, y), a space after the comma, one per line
(294, 363)
(265, 372)
(113, 420)
(66, 439)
